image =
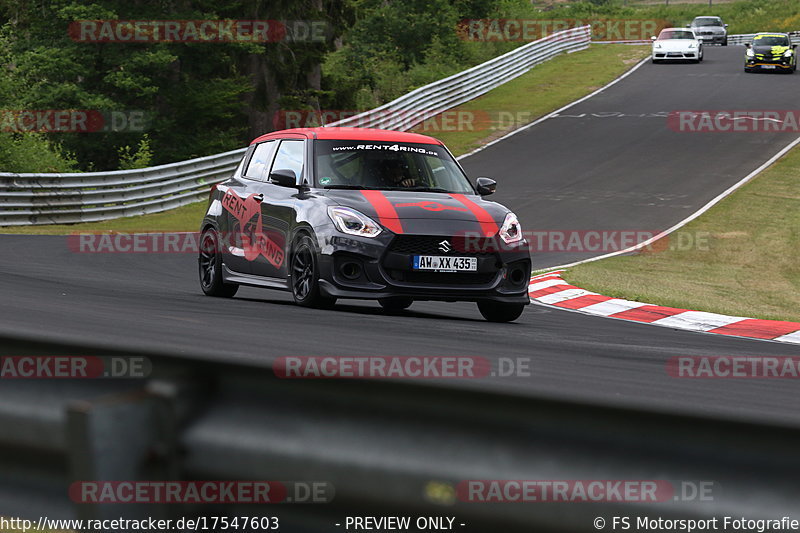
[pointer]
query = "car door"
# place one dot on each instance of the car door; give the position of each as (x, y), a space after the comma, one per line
(243, 210)
(278, 209)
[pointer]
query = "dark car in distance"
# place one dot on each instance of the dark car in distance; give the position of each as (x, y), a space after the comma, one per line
(330, 213)
(771, 52)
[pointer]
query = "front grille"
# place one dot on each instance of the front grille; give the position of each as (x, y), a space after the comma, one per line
(443, 278)
(430, 245)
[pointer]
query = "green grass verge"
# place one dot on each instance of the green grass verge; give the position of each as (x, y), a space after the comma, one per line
(542, 90)
(742, 16)
(748, 263)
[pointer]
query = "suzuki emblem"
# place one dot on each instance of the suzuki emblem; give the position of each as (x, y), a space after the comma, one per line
(445, 246)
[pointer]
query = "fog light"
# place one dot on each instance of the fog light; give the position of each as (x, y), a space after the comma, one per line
(350, 270)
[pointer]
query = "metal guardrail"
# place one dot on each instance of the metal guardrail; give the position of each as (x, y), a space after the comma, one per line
(732, 39)
(434, 98)
(382, 446)
(748, 38)
(32, 198)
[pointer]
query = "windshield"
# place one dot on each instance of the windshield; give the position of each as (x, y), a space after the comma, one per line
(707, 21)
(771, 40)
(675, 34)
(387, 166)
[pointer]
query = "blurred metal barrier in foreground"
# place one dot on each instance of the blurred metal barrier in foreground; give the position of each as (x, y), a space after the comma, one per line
(388, 448)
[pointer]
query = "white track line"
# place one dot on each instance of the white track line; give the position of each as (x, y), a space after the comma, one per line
(691, 217)
(557, 111)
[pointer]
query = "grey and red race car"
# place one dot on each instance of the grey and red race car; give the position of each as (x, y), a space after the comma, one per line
(330, 213)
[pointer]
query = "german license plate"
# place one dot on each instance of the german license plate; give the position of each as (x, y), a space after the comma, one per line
(442, 263)
(767, 66)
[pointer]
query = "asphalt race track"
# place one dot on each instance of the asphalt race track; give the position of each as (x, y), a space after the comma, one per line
(612, 163)
(566, 173)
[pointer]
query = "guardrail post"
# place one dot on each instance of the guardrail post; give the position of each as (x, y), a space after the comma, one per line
(124, 437)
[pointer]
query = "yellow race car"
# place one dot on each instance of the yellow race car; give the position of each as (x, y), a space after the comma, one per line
(771, 51)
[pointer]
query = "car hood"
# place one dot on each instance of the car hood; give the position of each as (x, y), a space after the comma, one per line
(770, 50)
(425, 212)
(675, 44)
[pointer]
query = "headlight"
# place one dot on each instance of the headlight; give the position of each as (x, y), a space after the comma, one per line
(353, 222)
(656, 45)
(787, 53)
(511, 231)
(750, 52)
(692, 45)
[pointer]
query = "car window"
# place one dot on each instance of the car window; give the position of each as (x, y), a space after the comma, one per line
(388, 166)
(771, 40)
(259, 162)
(675, 34)
(707, 21)
(290, 156)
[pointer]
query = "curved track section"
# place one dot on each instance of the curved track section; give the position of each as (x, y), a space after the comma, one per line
(569, 172)
(612, 163)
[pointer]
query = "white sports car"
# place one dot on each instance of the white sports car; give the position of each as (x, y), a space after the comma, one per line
(677, 44)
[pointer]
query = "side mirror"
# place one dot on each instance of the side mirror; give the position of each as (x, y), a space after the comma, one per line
(653, 37)
(688, 25)
(747, 45)
(486, 186)
(284, 177)
(725, 25)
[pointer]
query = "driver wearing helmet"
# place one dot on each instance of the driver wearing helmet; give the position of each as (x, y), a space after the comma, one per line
(395, 174)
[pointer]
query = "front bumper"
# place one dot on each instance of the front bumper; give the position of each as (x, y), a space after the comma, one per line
(760, 64)
(356, 267)
(713, 39)
(677, 56)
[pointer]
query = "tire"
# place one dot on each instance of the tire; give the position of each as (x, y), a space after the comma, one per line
(655, 61)
(210, 267)
(499, 312)
(304, 275)
(725, 42)
(396, 303)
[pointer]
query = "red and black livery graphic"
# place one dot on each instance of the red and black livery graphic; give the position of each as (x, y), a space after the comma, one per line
(388, 217)
(255, 242)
